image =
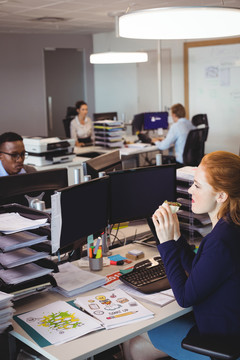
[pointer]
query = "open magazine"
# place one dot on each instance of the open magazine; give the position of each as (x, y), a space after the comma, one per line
(114, 308)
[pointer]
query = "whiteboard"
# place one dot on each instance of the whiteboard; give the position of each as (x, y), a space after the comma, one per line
(214, 89)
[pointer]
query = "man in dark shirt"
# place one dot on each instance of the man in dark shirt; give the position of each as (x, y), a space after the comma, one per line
(12, 155)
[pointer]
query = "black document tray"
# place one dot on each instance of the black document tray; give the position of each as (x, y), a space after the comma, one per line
(44, 230)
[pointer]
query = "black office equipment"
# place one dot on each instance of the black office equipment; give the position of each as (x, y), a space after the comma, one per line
(147, 276)
(106, 162)
(194, 148)
(70, 114)
(14, 188)
(84, 211)
(30, 286)
(105, 116)
(137, 193)
(213, 346)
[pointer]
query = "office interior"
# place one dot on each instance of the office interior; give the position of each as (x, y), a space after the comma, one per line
(128, 89)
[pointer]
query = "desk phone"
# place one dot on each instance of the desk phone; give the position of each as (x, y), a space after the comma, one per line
(147, 276)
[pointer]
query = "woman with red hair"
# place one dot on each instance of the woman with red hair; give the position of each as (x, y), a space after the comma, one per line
(208, 281)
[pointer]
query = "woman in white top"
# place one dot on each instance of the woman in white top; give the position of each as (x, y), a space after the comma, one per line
(81, 127)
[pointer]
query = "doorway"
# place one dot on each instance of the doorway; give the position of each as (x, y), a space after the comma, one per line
(64, 79)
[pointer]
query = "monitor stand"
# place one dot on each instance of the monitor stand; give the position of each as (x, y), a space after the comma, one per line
(152, 240)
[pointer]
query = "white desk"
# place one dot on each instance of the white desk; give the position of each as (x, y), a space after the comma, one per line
(131, 157)
(102, 340)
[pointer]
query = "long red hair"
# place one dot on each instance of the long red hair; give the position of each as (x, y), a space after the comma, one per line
(223, 174)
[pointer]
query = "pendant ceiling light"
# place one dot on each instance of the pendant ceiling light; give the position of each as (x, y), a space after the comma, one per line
(118, 57)
(180, 23)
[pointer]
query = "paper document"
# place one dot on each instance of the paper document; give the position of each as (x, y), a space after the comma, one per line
(60, 322)
(72, 280)
(114, 308)
(56, 221)
(14, 222)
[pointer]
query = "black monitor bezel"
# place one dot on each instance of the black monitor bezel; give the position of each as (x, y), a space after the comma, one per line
(113, 197)
(81, 238)
(32, 184)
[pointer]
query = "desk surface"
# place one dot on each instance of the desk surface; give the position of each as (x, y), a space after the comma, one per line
(101, 340)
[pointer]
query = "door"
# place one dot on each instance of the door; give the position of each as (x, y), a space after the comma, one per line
(64, 79)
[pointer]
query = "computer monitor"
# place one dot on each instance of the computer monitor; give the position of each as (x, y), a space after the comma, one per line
(84, 211)
(155, 120)
(13, 188)
(107, 162)
(137, 193)
(105, 116)
(137, 123)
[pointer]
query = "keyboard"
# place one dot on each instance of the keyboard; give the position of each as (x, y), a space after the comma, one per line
(147, 276)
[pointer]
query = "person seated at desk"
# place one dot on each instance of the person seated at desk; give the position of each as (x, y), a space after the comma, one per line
(177, 135)
(209, 280)
(81, 127)
(12, 155)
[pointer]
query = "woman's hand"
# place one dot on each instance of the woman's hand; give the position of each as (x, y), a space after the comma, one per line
(166, 224)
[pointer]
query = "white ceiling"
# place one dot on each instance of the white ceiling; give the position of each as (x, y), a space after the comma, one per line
(80, 16)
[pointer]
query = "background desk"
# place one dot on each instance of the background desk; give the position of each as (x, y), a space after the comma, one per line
(131, 158)
(101, 340)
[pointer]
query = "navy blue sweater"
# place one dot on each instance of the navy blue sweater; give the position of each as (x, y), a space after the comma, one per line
(212, 285)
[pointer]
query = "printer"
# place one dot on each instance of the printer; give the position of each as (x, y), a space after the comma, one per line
(46, 151)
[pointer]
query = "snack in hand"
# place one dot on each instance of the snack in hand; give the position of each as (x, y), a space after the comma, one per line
(174, 206)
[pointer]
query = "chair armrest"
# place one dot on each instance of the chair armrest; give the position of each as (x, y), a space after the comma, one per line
(224, 348)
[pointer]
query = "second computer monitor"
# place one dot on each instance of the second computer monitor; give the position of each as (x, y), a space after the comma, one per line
(137, 193)
(15, 188)
(155, 120)
(84, 210)
(109, 161)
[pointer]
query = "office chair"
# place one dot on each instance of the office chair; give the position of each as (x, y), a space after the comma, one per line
(71, 113)
(195, 147)
(66, 124)
(212, 346)
(200, 119)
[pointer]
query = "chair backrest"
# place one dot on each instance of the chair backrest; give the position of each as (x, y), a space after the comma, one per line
(66, 124)
(200, 119)
(195, 147)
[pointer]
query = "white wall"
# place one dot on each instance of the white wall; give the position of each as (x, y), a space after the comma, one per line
(116, 86)
(22, 86)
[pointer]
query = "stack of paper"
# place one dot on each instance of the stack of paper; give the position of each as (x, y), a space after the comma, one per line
(6, 311)
(72, 280)
(57, 323)
(114, 308)
(13, 222)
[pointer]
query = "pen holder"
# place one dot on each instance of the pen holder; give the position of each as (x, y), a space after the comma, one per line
(96, 264)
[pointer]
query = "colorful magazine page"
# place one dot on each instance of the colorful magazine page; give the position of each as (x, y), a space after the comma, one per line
(114, 308)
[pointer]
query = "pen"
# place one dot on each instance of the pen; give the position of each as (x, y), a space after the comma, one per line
(90, 252)
(97, 245)
(123, 314)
